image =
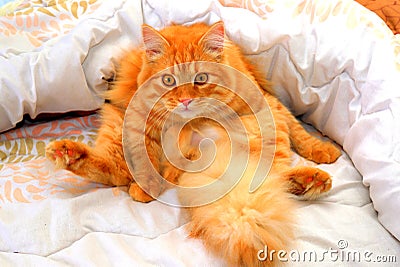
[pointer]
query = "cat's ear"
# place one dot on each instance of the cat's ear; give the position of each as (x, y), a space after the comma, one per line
(155, 44)
(213, 40)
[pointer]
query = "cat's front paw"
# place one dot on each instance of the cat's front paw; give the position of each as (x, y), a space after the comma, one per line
(325, 152)
(308, 182)
(66, 154)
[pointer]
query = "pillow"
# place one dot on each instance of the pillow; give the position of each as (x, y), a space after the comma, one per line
(54, 57)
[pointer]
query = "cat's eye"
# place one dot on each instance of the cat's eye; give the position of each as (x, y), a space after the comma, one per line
(168, 80)
(201, 78)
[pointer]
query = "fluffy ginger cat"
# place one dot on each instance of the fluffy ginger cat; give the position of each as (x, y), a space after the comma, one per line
(239, 224)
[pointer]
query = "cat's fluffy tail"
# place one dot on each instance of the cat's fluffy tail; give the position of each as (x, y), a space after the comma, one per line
(239, 226)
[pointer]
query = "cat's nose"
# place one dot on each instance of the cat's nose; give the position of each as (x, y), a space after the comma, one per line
(185, 101)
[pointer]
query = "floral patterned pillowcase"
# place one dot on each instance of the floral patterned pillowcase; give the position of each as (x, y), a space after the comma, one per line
(39, 21)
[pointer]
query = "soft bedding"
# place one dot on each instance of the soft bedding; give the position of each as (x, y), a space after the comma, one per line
(334, 63)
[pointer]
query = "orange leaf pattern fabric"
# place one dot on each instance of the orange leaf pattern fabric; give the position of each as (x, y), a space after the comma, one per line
(26, 176)
(39, 21)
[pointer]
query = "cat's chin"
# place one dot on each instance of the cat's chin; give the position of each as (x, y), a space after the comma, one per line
(186, 114)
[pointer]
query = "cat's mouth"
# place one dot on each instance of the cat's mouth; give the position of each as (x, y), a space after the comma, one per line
(186, 111)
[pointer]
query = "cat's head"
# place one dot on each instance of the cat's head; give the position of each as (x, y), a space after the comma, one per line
(196, 69)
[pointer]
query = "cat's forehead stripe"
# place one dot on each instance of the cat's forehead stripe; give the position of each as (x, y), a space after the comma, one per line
(184, 72)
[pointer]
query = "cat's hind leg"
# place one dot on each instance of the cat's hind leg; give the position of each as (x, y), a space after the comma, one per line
(308, 182)
(85, 161)
(103, 163)
(91, 164)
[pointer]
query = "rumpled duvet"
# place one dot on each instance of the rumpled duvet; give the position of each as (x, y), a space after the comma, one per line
(335, 64)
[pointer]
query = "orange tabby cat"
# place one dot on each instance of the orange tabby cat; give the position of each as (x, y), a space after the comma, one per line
(239, 224)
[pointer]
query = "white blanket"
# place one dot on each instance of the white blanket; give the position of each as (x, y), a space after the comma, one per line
(333, 62)
(102, 226)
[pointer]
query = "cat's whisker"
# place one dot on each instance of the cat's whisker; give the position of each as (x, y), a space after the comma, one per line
(158, 118)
